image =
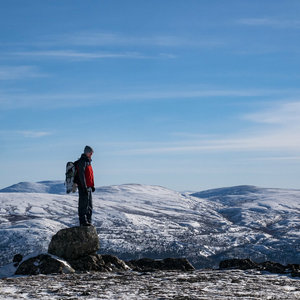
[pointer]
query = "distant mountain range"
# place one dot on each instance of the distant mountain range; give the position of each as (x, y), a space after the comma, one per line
(49, 187)
(136, 221)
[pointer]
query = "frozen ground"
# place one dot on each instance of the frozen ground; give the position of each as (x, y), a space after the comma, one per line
(135, 221)
(204, 284)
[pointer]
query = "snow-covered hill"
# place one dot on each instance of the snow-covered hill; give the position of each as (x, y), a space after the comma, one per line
(270, 216)
(138, 220)
(50, 187)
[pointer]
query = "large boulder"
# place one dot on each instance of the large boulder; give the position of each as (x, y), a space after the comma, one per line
(43, 264)
(150, 265)
(75, 242)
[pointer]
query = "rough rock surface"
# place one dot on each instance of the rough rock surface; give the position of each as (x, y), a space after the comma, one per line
(241, 264)
(273, 267)
(75, 242)
(269, 266)
(114, 263)
(100, 263)
(89, 263)
(148, 264)
(295, 269)
(43, 264)
(17, 258)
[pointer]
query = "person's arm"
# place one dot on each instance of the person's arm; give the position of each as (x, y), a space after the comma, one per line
(81, 173)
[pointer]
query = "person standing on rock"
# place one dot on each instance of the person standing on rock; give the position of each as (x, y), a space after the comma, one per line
(85, 181)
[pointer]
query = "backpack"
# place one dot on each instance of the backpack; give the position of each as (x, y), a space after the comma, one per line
(71, 172)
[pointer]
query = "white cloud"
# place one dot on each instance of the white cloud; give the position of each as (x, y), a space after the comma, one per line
(25, 133)
(70, 46)
(19, 72)
(22, 100)
(190, 135)
(286, 114)
(263, 142)
(88, 38)
(33, 134)
(78, 55)
(277, 158)
(283, 136)
(270, 22)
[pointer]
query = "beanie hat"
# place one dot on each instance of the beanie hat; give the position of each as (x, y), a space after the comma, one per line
(88, 149)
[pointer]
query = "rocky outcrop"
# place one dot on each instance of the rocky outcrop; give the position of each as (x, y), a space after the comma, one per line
(295, 269)
(241, 264)
(273, 267)
(77, 247)
(113, 263)
(17, 259)
(89, 263)
(150, 265)
(100, 263)
(75, 242)
(43, 264)
(269, 266)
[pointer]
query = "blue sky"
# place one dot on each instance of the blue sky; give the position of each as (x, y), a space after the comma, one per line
(185, 94)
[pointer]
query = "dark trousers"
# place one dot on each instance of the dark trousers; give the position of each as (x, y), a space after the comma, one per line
(85, 206)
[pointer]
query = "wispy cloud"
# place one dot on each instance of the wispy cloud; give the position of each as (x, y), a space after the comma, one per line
(46, 101)
(33, 134)
(277, 158)
(270, 22)
(89, 38)
(97, 45)
(26, 133)
(19, 72)
(284, 136)
(78, 55)
(286, 114)
(191, 135)
(263, 142)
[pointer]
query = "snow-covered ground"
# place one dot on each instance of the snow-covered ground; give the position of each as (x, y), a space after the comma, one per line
(201, 284)
(135, 221)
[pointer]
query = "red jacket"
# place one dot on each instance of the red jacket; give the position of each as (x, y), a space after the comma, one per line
(85, 172)
(89, 176)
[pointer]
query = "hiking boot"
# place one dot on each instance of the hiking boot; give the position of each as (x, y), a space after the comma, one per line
(86, 224)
